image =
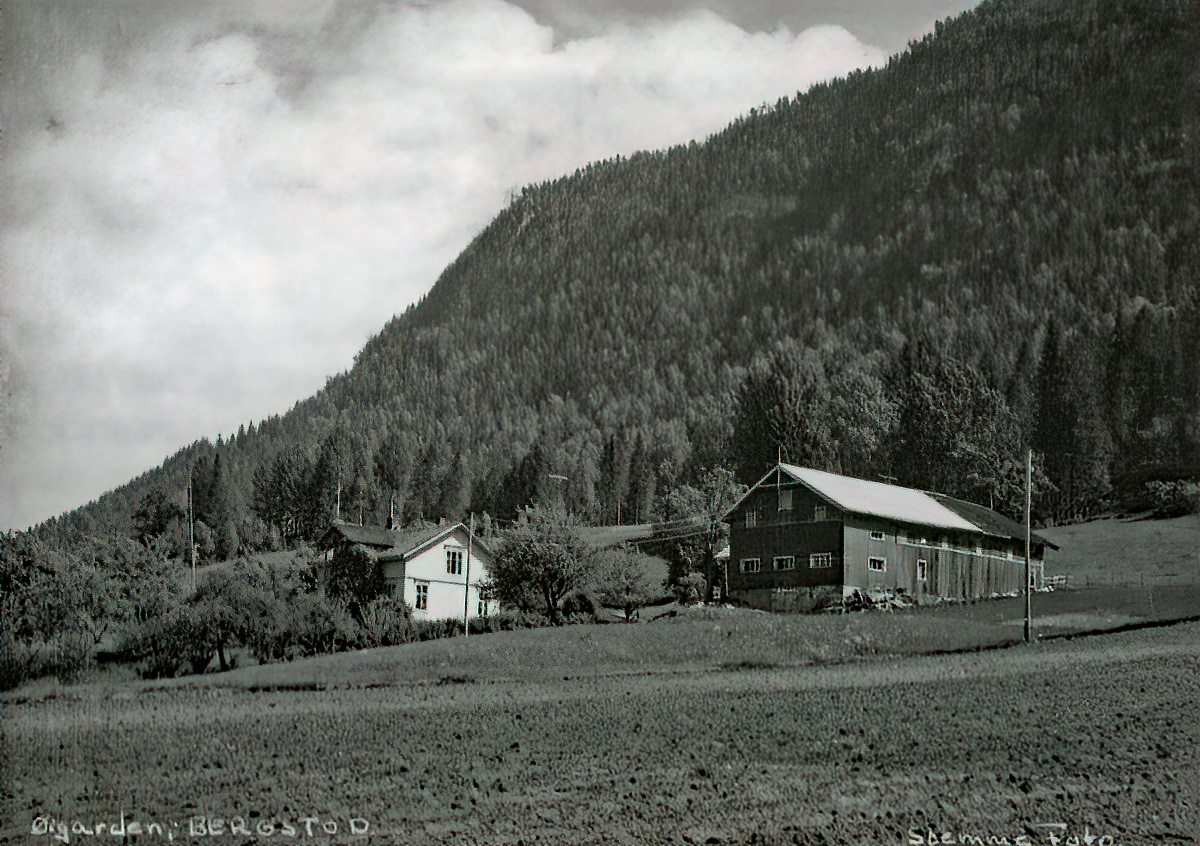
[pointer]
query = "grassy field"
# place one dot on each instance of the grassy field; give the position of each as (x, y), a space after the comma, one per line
(1098, 732)
(1124, 551)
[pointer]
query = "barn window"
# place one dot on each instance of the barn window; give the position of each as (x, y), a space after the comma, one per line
(751, 565)
(751, 519)
(877, 565)
(922, 570)
(454, 561)
(783, 562)
(785, 500)
(878, 536)
(820, 559)
(422, 596)
(818, 513)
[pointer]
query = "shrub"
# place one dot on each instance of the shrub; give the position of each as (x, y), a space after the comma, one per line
(385, 622)
(690, 588)
(162, 645)
(317, 625)
(1174, 499)
(65, 657)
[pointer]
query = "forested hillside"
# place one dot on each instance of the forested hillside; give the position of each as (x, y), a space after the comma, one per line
(913, 273)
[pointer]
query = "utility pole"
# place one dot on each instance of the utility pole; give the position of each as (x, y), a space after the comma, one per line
(1028, 543)
(467, 579)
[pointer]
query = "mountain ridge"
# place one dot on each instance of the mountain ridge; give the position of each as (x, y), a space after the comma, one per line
(1010, 201)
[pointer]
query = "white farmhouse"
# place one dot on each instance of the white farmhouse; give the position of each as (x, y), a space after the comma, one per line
(434, 569)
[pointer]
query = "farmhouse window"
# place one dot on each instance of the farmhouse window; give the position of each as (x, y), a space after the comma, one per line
(454, 562)
(818, 513)
(922, 570)
(751, 519)
(785, 500)
(783, 562)
(481, 610)
(422, 596)
(751, 565)
(819, 560)
(877, 565)
(877, 536)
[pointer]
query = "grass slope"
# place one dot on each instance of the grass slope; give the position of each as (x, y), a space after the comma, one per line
(1122, 551)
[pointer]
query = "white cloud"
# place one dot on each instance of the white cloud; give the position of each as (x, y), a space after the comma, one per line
(221, 218)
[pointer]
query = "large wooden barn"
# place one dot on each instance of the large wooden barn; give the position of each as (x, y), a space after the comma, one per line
(799, 534)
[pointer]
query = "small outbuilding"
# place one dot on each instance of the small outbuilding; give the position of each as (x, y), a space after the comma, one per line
(807, 533)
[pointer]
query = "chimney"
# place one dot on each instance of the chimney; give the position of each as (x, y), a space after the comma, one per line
(441, 521)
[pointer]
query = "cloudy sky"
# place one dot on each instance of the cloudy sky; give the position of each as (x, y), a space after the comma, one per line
(207, 208)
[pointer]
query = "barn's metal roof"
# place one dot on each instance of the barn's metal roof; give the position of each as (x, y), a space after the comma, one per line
(990, 521)
(876, 499)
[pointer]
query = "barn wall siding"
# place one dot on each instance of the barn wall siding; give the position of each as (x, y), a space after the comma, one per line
(952, 572)
(798, 540)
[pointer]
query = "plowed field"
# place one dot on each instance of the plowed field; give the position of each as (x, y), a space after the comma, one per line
(1097, 734)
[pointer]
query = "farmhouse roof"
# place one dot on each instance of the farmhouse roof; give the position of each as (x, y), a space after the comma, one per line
(370, 536)
(392, 543)
(892, 502)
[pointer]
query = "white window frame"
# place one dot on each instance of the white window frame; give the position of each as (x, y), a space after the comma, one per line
(820, 560)
(454, 560)
(882, 568)
(751, 518)
(790, 565)
(421, 595)
(819, 514)
(743, 565)
(481, 609)
(922, 570)
(878, 535)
